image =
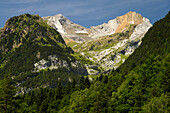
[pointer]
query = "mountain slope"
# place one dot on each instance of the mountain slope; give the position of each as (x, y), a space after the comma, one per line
(31, 49)
(155, 42)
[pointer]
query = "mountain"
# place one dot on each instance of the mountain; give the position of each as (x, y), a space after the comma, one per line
(118, 24)
(140, 84)
(33, 51)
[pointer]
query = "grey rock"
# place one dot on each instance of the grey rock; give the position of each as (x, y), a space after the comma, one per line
(54, 62)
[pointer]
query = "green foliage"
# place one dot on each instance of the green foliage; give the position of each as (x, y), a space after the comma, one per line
(84, 83)
(72, 44)
(7, 90)
(158, 105)
(44, 100)
(82, 59)
(88, 100)
(48, 78)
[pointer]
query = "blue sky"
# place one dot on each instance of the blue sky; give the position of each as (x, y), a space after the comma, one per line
(84, 12)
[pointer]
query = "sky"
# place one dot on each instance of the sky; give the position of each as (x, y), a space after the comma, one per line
(84, 12)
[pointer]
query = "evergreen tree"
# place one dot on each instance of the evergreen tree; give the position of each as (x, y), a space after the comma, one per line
(87, 82)
(59, 91)
(44, 106)
(7, 89)
(73, 84)
(105, 79)
(101, 77)
(81, 83)
(68, 88)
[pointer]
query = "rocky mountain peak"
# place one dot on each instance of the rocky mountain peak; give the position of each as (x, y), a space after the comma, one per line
(19, 29)
(78, 33)
(129, 18)
(60, 15)
(62, 19)
(11, 24)
(58, 22)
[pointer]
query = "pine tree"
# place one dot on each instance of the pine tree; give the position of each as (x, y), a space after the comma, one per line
(8, 91)
(59, 91)
(82, 83)
(105, 79)
(101, 77)
(44, 106)
(68, 88)
(73, 84)
(87, 82)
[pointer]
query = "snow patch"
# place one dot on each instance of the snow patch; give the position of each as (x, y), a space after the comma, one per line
(83, 32)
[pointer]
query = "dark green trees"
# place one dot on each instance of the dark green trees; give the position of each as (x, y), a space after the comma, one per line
(84, 83)
(7, 90)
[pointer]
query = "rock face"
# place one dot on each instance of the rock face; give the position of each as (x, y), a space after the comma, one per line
(117, 25)
(104, 29)
(141, 29)
(54, 62)
(67, 28)
(129, 18)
